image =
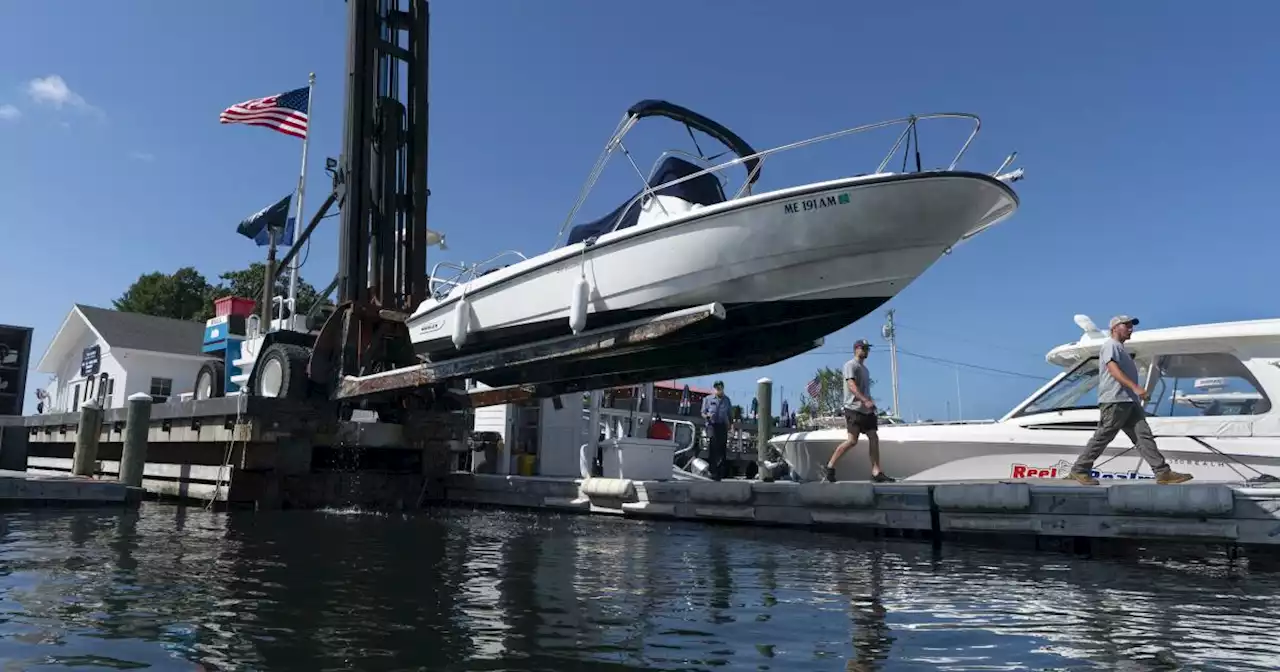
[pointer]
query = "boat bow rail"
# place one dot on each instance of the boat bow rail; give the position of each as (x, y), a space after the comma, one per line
(754, 160)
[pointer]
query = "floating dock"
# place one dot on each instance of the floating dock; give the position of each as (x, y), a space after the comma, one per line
(1035, 509)
(19, 488)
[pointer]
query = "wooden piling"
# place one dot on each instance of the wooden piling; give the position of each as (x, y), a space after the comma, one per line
(133, 457)
(764, 424)
(84, 460)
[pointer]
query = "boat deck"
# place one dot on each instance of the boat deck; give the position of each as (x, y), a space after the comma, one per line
(1030, 509)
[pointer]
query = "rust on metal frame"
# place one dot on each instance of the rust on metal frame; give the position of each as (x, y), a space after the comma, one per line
(601, 340)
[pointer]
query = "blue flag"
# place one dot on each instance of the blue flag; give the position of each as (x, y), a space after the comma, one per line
(274, 217)
(285, 239)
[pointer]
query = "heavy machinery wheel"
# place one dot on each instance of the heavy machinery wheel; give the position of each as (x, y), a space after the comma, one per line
(211, 381)
(281, 372)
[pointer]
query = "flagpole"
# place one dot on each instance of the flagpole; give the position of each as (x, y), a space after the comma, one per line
(297, 218)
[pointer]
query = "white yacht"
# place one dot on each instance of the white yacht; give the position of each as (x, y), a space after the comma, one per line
(1230, 432)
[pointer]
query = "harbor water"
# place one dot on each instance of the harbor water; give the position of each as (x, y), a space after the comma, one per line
(172, 588)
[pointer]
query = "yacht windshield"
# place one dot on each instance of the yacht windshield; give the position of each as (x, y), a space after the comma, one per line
(1078, 389)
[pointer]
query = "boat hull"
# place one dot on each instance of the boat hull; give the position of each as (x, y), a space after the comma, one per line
(987, 451)
(811, 260)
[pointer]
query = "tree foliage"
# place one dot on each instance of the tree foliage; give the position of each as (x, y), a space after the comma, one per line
(182, 295)
(830, 397)
(185, 294)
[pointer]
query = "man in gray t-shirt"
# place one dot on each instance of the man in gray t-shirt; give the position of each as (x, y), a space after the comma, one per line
(1120, 402)
(859, 414)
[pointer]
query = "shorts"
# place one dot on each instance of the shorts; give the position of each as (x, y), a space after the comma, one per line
(857, 421)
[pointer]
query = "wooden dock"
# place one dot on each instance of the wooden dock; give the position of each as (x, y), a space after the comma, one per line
(1042, 511)
(20, 488)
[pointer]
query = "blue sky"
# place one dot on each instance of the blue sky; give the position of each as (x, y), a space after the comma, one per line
(1143, 129)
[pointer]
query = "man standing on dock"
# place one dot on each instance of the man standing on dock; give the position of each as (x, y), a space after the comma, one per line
(859, 414)
(1120, 408)
(716, 412)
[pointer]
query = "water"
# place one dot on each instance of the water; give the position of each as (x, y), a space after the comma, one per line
(184, 589)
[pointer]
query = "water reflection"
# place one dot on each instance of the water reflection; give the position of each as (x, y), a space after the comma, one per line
(176, 588)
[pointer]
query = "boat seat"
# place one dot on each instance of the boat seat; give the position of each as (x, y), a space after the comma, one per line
(702, 190)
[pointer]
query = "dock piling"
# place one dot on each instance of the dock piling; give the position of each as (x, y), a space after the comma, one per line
(133, 456)
(85, 458)
(764, 425)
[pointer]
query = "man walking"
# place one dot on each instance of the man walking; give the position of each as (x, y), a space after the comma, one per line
(1120, 408)
(859, 414)
(716, 410)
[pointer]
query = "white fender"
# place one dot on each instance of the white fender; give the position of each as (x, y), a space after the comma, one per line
(461, 322)
(578, 305)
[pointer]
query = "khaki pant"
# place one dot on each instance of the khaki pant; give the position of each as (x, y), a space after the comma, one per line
(1127, 417)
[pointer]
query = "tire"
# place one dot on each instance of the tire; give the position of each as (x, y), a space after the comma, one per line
(281, 372)
(211, 381)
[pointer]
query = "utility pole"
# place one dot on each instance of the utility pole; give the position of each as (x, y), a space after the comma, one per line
(890, 335)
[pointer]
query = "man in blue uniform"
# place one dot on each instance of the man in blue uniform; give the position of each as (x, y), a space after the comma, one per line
(716, 410)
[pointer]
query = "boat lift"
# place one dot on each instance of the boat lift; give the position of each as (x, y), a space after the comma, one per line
(362, 355)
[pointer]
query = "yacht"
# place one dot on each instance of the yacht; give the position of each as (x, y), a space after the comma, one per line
(1230, 432)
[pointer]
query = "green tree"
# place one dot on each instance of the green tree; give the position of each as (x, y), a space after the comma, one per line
(181, 295)
(248, 284)
(186, 295)
(830, 397)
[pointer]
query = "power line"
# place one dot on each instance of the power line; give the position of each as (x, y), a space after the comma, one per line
(989, 369)
(943, 360)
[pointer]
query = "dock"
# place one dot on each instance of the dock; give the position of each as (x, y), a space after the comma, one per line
(1044, 513)
(24, 489)
(254, 452)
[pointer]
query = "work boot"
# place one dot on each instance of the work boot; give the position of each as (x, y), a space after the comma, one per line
(828, 474)
(1170, 477)
(1082, 478)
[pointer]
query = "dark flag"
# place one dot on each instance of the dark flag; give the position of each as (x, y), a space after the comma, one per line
(268, 218)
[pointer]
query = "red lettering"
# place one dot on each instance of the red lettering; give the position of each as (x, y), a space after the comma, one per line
(1019, 471)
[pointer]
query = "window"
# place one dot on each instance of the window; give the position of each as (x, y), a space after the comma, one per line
(1201, 384)
(75, 399)
(1206, 384)
(161, 388)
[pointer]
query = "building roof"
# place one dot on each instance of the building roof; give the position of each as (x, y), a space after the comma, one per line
(135, 331)
(130, 331)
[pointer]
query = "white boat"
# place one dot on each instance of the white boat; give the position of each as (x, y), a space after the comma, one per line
(788, 266)
(1230, 434)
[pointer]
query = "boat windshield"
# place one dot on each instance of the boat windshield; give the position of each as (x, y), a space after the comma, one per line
(1220, 385)
(1078, 390)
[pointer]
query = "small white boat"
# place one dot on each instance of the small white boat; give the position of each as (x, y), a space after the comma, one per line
(788, 266)
(1229, 434)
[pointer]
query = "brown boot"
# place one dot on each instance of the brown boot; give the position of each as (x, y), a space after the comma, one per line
(1082, 478)
(1170, 477)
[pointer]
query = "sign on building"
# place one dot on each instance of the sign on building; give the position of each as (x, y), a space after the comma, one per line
(15, 355)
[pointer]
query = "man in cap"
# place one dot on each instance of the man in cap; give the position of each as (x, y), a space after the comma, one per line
(716, 412)
(1120, 408)
(859, 414)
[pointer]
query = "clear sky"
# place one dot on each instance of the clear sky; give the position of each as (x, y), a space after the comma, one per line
(1145, 130)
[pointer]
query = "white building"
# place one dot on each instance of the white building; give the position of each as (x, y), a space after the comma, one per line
(108, 355)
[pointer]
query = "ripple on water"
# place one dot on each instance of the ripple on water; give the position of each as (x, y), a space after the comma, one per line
(345, 589)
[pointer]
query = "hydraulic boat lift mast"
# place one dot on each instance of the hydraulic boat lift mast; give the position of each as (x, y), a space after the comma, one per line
(363, 353)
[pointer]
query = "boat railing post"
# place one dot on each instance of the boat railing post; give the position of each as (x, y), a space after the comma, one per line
(764, 425)
(85, 458)
(133, 458)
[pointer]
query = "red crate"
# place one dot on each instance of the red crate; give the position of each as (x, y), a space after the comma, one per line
(233, 305)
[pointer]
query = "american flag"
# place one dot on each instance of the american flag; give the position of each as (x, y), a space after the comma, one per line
(813, 388)
(285, 112)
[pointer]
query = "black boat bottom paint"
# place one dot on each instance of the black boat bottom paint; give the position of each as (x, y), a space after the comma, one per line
(751, 335)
